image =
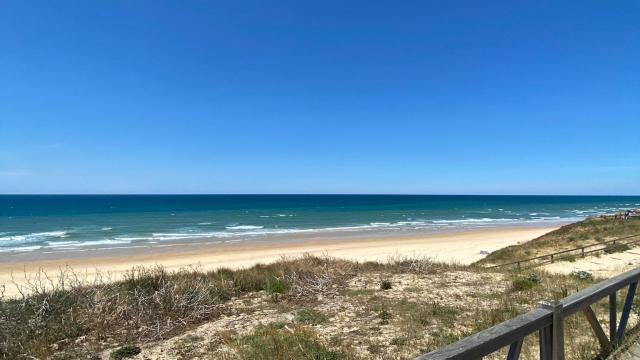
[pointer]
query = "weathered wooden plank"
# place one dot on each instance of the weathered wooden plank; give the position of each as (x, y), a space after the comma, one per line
(588, 296)
(613, 317)
(557, 329)
(487, 341)
(597, 328)
(626, 309)
(515, 349)
(544, 336)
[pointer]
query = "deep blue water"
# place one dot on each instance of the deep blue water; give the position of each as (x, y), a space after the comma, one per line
(30, 222)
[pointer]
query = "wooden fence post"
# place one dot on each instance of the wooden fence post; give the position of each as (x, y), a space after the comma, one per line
(613, 318)
(552, 337)
(626, 309)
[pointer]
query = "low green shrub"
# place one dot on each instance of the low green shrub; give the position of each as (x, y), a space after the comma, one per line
(616, 248)
(582, 275)
(310, 317)
(522, 284)
(386, 285)
(127, 351)
(534, 278)
(275, 287)
(282, 344)
(384, 316)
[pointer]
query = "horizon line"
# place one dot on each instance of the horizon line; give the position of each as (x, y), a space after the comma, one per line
(305, 194)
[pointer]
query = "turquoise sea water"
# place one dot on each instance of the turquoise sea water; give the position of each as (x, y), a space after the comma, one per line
(32, 222)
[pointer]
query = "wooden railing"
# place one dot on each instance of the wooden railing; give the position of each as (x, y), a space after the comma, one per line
(548, 321)
(582, 251)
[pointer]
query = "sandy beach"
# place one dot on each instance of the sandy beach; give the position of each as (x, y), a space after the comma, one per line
(463, 246)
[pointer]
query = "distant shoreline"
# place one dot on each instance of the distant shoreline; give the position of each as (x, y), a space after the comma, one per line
(294, 239)
(462, 246)
(49, 227)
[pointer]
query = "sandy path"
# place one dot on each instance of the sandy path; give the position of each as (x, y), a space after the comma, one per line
(462, 246)
(603, 266)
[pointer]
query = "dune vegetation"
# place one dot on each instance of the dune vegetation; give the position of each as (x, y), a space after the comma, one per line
(590, 231)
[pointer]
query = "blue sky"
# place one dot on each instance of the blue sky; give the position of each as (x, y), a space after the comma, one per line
(435, 97)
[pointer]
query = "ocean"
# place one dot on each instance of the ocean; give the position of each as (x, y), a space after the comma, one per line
(42, 222)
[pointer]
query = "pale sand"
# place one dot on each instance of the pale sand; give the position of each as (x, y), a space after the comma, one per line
(603, 266)
(462, 246)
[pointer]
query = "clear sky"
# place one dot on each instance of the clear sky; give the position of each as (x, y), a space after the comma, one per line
(434, 97)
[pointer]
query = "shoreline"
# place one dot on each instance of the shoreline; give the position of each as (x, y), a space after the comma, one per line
(463, 246)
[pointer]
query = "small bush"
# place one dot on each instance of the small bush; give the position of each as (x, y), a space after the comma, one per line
(276, 287)
(386, 285)
(384, 316)
(124, 352)
(522, 284)
(616, 248)
(534, 278)
(270, 343)
(310, 317)
(582, 275)
(374, 349)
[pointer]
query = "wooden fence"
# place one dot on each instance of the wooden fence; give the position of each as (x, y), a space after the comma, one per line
(548, 321)
(581, 251)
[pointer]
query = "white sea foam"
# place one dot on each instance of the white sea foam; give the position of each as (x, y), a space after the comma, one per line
(474, 220)
(21, 248)
(244, 227)
(238, 232)
(13, 240)
(106, 228)
(62, 243)
(103, 242)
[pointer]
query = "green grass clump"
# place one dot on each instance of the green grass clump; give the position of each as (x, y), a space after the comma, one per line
(127, 351)
(276, 287)
(534, 278)
(310, 317)
(616, 248)
(522, 284)
(386, 285)
(582, 275)
(279, 344)
(384, 316)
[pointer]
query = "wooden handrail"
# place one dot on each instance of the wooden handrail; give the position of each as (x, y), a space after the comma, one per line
(548, 319)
